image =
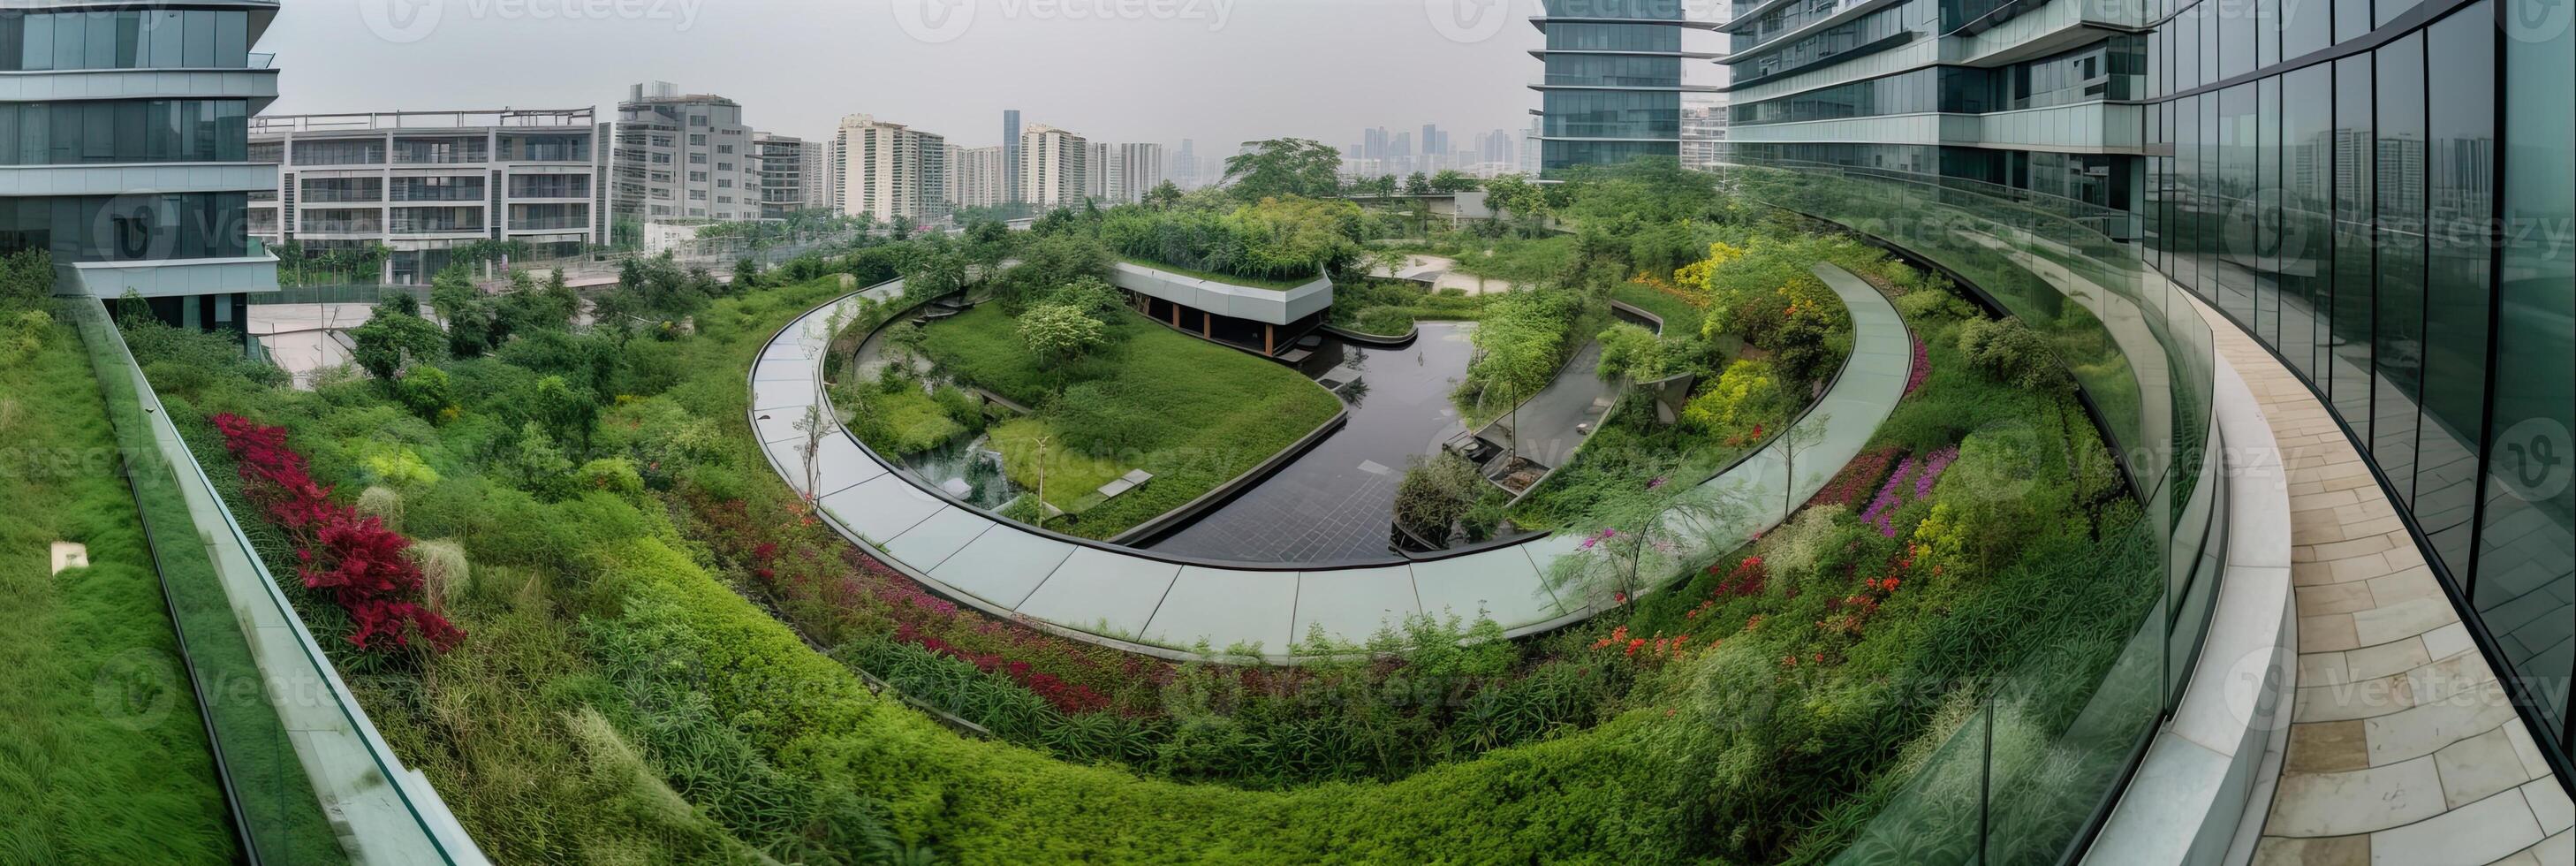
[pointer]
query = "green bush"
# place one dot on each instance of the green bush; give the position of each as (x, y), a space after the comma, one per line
(1384, 321)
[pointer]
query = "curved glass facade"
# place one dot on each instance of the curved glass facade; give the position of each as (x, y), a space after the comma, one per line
(2361, 190)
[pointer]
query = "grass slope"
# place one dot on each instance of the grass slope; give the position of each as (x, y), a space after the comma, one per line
(103, 755)
(1193, 413)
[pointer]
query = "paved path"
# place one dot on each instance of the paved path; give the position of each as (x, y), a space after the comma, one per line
(2403, 746)
(1442, 273)
(1165, 605)
(1549, 421)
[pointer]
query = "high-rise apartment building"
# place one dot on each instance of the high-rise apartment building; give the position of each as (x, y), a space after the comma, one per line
(422, 184)
(126, 151)
(1615, 72)
(891, 171)
(1185, 165)
(683, 157)
(1129, 171)
(1095, 181)
(977, 177)
(821, 175)
(1053, 167)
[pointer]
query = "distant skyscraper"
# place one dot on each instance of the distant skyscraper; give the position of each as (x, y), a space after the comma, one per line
(1011, 156)
(1185, 165)
(1434, 142)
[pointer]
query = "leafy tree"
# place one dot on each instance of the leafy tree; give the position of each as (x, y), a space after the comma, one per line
(426, 391)
(1450, 180)
(935, 274)
(394, 336)
(1417, 184)
(1164, 196)
(1058, 333)
(570, 414)
(473, 322)
(1285, 167)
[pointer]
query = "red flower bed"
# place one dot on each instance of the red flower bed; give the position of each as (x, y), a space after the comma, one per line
(1922, 368)
(352, 558)
(832, 591)
(1857, 480)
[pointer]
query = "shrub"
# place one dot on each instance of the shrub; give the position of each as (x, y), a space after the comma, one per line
(1436, 493)
(1743, 398)
(1384, 321)
(445, 578)
(382, 503)
(2012, 353)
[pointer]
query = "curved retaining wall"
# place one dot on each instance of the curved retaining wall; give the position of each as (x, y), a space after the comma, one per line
(1166, 606)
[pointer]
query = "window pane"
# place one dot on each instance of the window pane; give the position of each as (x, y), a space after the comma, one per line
(2460, 173)
(2267, 211)
(2354, 155)
(2234, 206)
(2351, 19)
(2307, 202)
(2527, 550)
(2399, 372)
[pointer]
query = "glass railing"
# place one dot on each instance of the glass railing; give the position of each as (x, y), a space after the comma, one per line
(308, 777)
(2031, 767)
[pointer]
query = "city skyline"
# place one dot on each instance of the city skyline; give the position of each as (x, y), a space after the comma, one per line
(1015, 64)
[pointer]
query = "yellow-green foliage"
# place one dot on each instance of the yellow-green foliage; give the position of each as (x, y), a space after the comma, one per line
(1742, 396)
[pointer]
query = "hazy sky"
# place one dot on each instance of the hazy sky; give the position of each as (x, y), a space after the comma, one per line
(1219, 71)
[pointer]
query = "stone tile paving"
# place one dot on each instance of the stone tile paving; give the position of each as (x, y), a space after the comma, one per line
(2403, 747)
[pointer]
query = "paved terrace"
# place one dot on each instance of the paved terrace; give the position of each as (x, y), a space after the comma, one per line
(2403, 746)
(1162, 604)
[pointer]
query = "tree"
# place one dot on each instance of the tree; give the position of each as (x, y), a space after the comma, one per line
(396, 335)
(473, 321)
(1798, 438)
(934, 274)
(1284, 167)
(569, 413)
(1417, 184)
(1058, 333)
(1164, 196)
(1450, 181)
(1637, 537)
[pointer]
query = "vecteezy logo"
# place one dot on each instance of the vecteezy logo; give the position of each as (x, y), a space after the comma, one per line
(935, 21)
(402, 22)
(1467, 21)
(2537, 20)
(2532, 459)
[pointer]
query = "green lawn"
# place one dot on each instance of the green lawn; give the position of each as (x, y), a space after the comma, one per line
(1230, 279)
(1193, 413)
(1680, 318)
(103, 754)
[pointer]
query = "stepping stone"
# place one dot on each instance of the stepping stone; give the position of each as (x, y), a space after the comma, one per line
(69, 555)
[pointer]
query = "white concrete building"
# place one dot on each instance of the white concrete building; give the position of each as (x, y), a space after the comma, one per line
(1130, 171)
(891, 171)
(425, 183)
(125, 151)
(683, 157)
(977, 177)
(1054, 167)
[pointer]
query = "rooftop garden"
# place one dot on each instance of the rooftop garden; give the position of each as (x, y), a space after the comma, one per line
(662, 649)
(1274, 243)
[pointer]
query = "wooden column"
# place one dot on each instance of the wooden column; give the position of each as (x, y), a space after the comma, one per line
(1176, 315)
(1207, 325)
(1269, 339)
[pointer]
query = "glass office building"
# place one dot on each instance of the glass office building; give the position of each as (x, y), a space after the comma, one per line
(2382, 194)
(1613, 78)
(2379, 191)
(138, 180)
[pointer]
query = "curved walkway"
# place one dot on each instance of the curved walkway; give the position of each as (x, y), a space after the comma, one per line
(1163, 605)
(2403, 746)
